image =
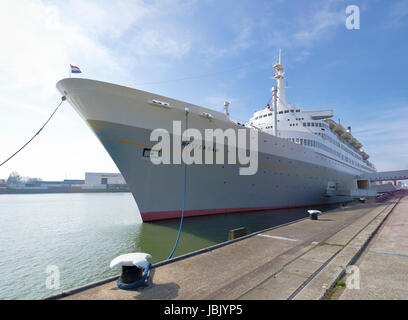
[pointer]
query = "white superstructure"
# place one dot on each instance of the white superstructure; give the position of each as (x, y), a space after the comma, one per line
(313, 129)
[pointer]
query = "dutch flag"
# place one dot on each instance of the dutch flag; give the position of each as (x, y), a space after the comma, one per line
(75, 69)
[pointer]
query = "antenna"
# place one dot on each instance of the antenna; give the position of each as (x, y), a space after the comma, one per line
(226, 105)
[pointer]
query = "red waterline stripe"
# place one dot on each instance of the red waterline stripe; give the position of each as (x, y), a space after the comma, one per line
(162, 215)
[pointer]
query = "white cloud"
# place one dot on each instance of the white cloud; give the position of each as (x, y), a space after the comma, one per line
(318, 22)
(40, 47)
(40, 39)
(242, 40)
(323, 20)
(385, 137)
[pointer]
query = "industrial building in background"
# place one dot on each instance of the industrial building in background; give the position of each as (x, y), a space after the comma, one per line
(94, 182)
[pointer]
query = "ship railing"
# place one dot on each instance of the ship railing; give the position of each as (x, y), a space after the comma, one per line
(238, 122)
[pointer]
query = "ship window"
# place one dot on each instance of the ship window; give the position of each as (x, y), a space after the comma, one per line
(147, 151)
(269, 114)
(286, 111)
(308, 124)
(292, 110)
(280, 112)
(312, 124)
(297, 110)
(304, 124)
(265, 115)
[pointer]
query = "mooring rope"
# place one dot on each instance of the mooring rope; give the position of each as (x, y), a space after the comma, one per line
(184, 200)
(63, 98)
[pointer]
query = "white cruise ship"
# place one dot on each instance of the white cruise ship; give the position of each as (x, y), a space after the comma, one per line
(304, 158)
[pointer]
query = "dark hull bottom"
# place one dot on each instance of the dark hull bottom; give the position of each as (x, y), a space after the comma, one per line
(163, 215)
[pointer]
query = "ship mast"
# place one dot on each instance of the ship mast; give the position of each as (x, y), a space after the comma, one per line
(278, 93)
(279, 76)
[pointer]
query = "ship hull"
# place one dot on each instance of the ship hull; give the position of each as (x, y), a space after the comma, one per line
(288, 175)
(158, 189)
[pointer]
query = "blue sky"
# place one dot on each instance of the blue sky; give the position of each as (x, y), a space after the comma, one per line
(224, 50)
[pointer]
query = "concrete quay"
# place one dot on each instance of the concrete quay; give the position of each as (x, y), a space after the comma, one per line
(383, 266)
(299, 260)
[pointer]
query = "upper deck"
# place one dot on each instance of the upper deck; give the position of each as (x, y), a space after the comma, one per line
(313, 129)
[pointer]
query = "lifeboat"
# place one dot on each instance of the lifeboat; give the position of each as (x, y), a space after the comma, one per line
(339, 129)
(331, 123)
(365, 155)
(354, 142)
(347, 136)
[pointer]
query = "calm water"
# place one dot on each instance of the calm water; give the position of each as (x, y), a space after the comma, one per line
(82, 233)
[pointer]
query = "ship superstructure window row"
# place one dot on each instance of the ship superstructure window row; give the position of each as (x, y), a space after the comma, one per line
(315, 124)
(324, 127)
(317, 144)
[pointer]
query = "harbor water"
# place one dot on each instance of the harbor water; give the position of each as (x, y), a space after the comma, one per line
(78, 234)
